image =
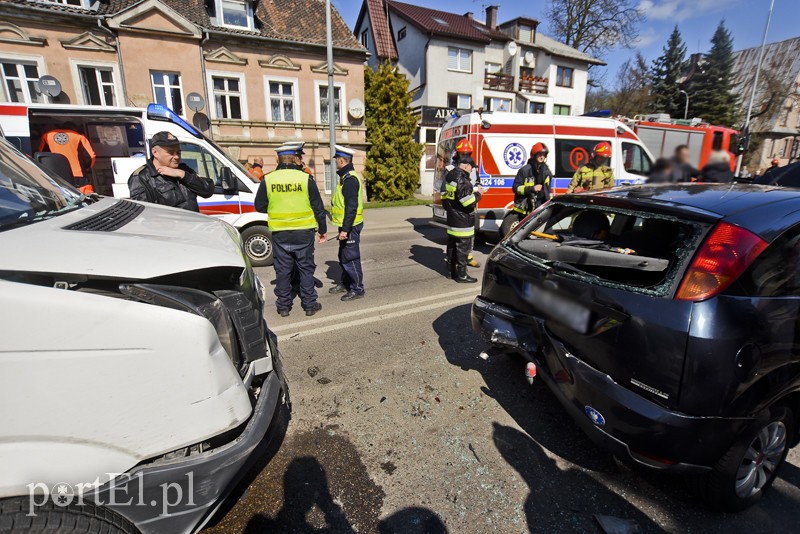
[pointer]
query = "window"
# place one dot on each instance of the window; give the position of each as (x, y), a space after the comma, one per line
(19, 81)
(525, 33)
(571, 155)
(76, 3)
(564, 76)
(98, 86)
(401, 33)
(459, 59)
(458, 101)
(497, 104)
(322, 107)
(205, 164)
(365, 38)
(235, 13)
(440, 21)
(281, 96)
(167, 90)
(492, 68)
(328, 177)
(535, 107)
(559, 109)
(636, 161)
(716, 141)
(227, 97)
(430, 149)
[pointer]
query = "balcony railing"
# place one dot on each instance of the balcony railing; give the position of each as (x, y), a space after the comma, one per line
(498, 82)
(531, 84)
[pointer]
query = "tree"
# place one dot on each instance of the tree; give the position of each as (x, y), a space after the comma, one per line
(711, 88)
(594, 26)
(392, 167)
(666, 75)
(633, 92)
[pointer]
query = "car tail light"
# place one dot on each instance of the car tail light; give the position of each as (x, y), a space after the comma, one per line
(725, 255)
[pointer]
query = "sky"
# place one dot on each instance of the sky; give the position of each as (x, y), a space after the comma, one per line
(696, 20)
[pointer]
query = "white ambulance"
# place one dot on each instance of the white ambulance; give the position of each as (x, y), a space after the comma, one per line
(502, 143)
(119, 136)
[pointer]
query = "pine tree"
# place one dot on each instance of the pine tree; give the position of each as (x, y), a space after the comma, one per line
(392, 167)
(710, 90)
(666, 74)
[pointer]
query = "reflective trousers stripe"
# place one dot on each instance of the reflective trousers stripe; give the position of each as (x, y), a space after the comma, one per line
(461, 232)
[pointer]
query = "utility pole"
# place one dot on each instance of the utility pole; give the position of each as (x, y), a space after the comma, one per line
(746, 128)
(331, 91)
(686, 108)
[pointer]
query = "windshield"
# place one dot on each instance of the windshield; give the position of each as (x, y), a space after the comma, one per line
(28, 193)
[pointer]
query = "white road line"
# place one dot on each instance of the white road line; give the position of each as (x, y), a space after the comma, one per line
(367, 320)
(473, 291)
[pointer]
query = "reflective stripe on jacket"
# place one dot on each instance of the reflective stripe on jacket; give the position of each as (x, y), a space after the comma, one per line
(590, 178)
(289, 205)
(460, 203)
(530, 176)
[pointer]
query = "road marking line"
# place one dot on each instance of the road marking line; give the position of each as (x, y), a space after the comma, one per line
(376, 319)
(377, 309)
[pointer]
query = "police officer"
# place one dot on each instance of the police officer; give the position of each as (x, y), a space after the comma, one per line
(532, 183)
(464, 149)
(459, 201)
(347, 212)
(291, 200)
(596, 174)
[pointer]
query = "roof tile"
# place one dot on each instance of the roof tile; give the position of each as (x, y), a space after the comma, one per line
(382, 33)
(448, 24)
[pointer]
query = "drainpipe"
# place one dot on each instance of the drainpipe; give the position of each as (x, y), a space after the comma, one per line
(119, 58)
(205, 39)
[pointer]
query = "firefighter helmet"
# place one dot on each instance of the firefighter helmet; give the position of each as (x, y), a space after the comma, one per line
(539, 148)
(464, 147)
(602, 149)
(776, 161)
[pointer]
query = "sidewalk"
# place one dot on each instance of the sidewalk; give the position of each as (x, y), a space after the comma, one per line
(394, 218)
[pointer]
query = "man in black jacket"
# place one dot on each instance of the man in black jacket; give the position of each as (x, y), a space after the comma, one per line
(532, 183)
(459, 201)
(165, 180)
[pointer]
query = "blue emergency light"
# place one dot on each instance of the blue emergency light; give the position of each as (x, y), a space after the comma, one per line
(160, 112)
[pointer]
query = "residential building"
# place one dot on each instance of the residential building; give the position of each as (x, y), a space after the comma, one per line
(260, 66)
(456, 62)
(776, 111)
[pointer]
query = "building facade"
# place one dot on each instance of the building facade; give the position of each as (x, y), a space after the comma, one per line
(456, 62)
(259, 66)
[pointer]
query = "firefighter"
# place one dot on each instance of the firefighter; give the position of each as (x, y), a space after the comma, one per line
(76, 148)
(770, 175)
(347, 212)
(291, 200)
(532, 183)
(464, 149)
(459, 201)
(596, 174)
(257, 169)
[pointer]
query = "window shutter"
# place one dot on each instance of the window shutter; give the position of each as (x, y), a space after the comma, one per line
(452, 58)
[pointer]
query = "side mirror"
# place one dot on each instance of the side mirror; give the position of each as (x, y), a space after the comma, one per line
(229, 182)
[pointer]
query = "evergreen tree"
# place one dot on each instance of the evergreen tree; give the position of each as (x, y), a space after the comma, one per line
(392, 167)
(665, 75)
(710, 89)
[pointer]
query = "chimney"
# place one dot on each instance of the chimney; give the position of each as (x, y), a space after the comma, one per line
(468, 14)
(491, 17)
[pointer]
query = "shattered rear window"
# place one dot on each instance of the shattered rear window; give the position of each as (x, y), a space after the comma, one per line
(632, 250)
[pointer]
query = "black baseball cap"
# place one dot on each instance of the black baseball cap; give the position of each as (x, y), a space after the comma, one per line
(164, 139)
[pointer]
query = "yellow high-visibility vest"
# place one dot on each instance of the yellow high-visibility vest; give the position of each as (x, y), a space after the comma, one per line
(289, 207)
(337, 204)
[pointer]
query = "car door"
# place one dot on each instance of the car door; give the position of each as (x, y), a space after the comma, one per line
(225, 205)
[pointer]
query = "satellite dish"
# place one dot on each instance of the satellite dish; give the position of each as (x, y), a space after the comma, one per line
(356, 108)
(195, 102)
(529, 58)
(512, 49)
(49, 85)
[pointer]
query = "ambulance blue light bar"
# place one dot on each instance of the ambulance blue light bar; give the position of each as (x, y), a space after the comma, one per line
(160, 112)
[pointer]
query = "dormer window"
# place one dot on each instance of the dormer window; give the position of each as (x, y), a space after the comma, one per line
(235, 14)
(73, 3)
(525, 33)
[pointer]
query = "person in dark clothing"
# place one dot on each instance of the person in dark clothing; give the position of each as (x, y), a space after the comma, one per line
(532, 183)
(662, 172)
(165, 180)
(682, 170)
(291, 199)
(718, 168)
(347, 213)
(459, 201)
(770, 175)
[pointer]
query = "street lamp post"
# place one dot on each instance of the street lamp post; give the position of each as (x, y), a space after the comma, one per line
(686, 108)
(331, 93)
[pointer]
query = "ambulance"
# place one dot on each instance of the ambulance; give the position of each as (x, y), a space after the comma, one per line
(119, 137)
(502, 143)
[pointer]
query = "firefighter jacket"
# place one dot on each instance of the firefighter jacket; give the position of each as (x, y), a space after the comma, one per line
(347, 206)
(75, 147)
(460, 202)
(591, 177)
(257, 172)
(529, 176)
(148, 185)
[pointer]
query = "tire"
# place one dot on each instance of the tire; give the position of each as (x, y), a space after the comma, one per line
(69, 519)
(509, 223)
(747, 470)
(257, 241)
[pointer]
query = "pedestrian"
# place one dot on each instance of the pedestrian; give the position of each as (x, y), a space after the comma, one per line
(257, 168)
(464, 149)
(770, 175)
(163, 179)
(78, 151)
(596, 174)
(460, 201)
(662, 172)
(532, 183)
(718, 168)
(347, 213)
(682, 170)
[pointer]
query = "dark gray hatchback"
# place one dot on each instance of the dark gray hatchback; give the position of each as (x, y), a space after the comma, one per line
(666, 319)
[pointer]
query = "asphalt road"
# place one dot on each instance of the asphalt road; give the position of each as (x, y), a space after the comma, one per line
(399, 426)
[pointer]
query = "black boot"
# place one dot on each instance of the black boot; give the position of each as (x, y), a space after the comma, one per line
(462, 277)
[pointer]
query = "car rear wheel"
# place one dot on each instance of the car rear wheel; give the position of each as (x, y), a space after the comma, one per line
(16, 516)
(257, 242)
(749, 468)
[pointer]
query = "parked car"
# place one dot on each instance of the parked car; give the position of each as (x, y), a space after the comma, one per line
(787, 176)
(665, 320)
(138, 378)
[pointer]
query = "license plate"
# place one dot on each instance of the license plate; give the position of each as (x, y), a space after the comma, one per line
(554, 306)
(439, 213)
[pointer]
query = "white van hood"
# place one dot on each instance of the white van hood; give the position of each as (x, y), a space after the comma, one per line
(158, 242)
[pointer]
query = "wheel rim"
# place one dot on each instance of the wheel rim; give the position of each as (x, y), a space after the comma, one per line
(258, 247)
(761, 459)
(513, 225)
